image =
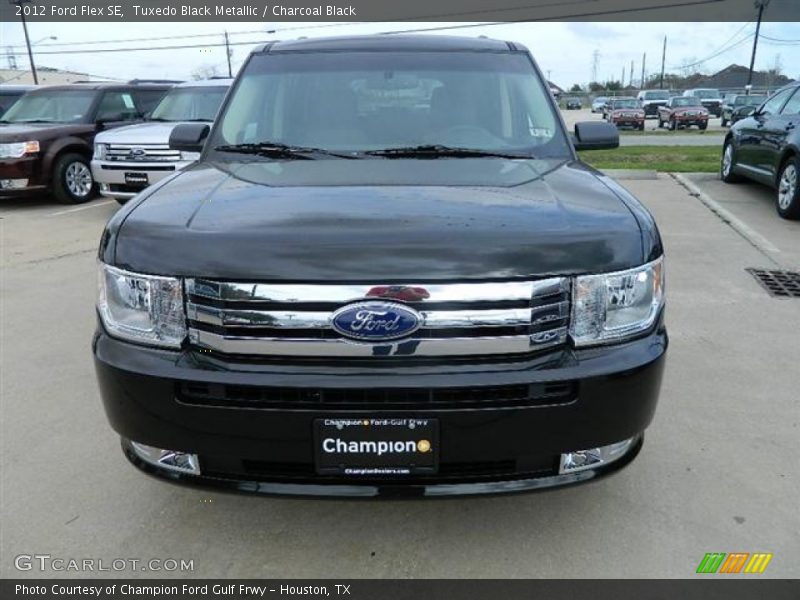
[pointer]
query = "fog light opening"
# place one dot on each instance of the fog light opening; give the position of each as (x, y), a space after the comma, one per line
(13, 184)
(591, 458)
(174, 460)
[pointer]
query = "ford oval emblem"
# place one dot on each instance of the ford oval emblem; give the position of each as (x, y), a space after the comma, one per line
(374, 321)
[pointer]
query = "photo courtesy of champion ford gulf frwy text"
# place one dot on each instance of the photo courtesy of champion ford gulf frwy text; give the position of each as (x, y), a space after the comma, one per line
(377, 300)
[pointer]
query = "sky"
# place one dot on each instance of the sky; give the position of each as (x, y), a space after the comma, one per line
(564, 50)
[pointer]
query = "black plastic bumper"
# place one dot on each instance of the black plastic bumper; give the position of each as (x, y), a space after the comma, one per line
(482, 450)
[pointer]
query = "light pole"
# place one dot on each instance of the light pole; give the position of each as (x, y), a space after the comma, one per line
(761, 5)
(20, 3)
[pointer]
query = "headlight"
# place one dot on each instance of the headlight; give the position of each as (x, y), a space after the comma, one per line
(141, 308)
(613, 306)
(18, 149)
(100, 151)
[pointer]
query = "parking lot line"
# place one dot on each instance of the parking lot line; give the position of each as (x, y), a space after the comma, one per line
(79, 208)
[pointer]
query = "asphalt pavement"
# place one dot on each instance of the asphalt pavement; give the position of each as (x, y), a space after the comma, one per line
(718, 471)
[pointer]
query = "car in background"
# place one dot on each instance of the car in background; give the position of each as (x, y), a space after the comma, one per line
(625, 112)
(128, 159)
(683, 111)
(598, 104)
(47, 137)
(710, 98)
(573, 103)
(9, 94)
(765, 147)
(607, 105)
(650, 100)
(737, 106)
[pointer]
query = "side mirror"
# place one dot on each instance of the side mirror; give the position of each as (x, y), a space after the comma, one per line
(591, 135)
(189, 137)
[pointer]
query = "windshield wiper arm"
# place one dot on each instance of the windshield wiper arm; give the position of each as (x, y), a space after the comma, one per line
(275, 150)
(437, 150)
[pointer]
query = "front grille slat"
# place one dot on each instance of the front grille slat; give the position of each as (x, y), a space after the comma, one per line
(133, 153)
(458, 320)
(256, 397)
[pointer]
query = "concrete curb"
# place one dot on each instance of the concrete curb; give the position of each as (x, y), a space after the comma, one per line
(757, 240)
(630, 173)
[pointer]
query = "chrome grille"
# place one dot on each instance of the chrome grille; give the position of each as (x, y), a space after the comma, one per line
(467, 319)
(142, 153)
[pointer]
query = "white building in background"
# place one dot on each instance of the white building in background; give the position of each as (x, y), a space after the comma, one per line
(47, 76)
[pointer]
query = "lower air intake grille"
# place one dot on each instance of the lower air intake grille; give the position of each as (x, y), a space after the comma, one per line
(256, 397)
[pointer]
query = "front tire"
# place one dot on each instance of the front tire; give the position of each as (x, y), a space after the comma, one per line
(724, 122)
(72, 179)
(788, 201)
(703, 126)
(672, 125)
(726, 165)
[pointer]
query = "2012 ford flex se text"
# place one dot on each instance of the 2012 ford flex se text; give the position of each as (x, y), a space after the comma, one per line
(388, 274)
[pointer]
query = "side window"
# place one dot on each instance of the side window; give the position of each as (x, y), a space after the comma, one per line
(793, 105)
(117, 106)
(147, 100)
(773, 105)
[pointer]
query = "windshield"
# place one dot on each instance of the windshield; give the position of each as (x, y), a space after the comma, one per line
(356, 102)
(656, 95)
(63, 106)
(749, 100)
(624, 104)
(190, 104)
(706, 94)
(686, 101)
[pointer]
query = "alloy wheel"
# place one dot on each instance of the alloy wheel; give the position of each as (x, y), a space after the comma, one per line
(787, 187)
(79, 180)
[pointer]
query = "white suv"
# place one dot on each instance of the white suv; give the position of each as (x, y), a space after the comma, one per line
(128, 159)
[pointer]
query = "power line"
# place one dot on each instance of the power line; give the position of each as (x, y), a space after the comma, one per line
(721, 49)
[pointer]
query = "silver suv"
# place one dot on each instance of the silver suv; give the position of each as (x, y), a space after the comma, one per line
(128, 159)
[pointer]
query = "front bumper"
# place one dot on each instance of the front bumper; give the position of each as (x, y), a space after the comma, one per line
(481, 450)
(113, 182)
(24, 173)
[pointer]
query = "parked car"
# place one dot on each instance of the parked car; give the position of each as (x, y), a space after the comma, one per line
(738, 106)
(709, 97)
(765, 147)
(9, 94)
(46, 137)
(369, 282)
(650, 100)
(683, 111)
(573, 103)
(598, 104)
(128, 159)
(607, 105)
(626, 112)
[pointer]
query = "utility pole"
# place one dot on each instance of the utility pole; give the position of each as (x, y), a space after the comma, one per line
(630, 83)
(644, 59)
(761, 4)
(228, 54)
(663, 58)
(622, 81)
(21, 4)
(595, 60)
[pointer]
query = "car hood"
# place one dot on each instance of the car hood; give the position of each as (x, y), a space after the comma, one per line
(143, 133)
(25, 132)
(377, 220)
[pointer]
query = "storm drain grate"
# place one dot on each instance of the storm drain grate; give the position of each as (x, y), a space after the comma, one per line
(784, 284)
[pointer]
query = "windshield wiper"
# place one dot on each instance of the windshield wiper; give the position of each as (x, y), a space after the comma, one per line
(275, 150)
(158, 120)
(438, 150)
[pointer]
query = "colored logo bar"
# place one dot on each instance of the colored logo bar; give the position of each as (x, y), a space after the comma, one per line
(734, 562)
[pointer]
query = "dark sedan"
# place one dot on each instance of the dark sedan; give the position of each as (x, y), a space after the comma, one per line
(765, 147)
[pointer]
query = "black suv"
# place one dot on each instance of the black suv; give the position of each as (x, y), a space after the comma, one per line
(388, 273)
(47, 136)
(765, 147)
